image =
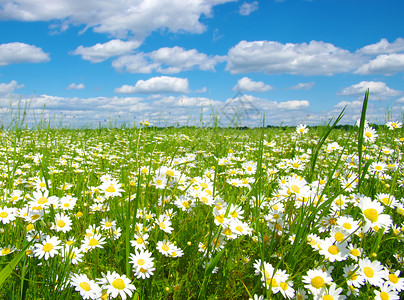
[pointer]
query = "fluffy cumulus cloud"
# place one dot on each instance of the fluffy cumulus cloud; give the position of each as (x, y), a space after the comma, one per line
(101, 52)
(383, 47)
(302, 86)
(12, 53)
(247, 8)
(245, 84)
(7, 88)
(378, 90)
(118, 18)
(271, 57)
(178, 59)
(167, 61)
(387, 64)
(137, 63)
(154, 85)
(74, 86)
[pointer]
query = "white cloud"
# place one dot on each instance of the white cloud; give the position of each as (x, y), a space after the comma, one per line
(178, 59)
(202, 90)
(167, 61)
(387, 64)
(74, 86)
(293, 104)
(100, 52)
(315, 58)
(383, 47)
(21, 53)
(248, 85)
(400, 100)
(302, 86)
(7, 88)
(248, 8)
(349, 104)
(163, 84)
(378, 90)
(137, 63)
(118, 18)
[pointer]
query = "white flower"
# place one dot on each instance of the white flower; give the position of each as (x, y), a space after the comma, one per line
(373, 272)
(62, 223)
(7, 214)
(88, 289)
(302, 129)
(116, 284)
(48, 248)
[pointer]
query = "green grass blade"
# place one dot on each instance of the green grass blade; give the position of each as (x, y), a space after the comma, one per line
(8, 269)
(361, 132)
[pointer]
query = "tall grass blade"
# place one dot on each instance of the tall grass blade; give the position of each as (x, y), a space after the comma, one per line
(8, 269)
(361, 133)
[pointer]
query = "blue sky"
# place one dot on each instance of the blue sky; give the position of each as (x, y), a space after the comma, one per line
(294, 61)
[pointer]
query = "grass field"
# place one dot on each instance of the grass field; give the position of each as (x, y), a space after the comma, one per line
(194, 213)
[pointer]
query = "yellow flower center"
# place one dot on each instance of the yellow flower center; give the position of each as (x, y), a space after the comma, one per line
(371, 214)
(170, 173)
(204, 200)
(239, 228)
(347, 225)
(368, 272)
(333, 250)
(60, 223)
(339, 202)
(42, 200)
(42, 184)
(355, 252)
(295, 189)
(284, 286)
(108, 224)
(93, 242)
(139, 241)
(393, 278)
(317, 282)
(66, 205)
(368, 134)
(165, 247)
(47, 247)
(219, 218)
(386, 201)
(328, 297)
(339, 236)
(118, 284)
(3, 214)
(85, 286)
(140, 262)
(5, 251)
(227, 231)
(162, 225)
(110, 189)
(384, 296)
(34, 217)
(272, 282)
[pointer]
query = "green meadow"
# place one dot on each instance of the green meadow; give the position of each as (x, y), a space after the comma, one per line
(202, 213)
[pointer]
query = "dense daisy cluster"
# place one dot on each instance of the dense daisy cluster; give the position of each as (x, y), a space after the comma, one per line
(108, 213)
